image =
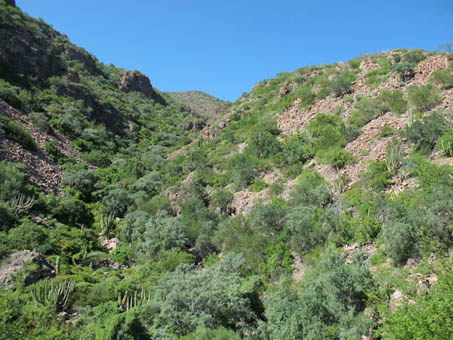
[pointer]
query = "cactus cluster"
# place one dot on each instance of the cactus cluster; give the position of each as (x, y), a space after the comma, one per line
(21, 204)
(107, 223)
(138, 298)
(53, 294)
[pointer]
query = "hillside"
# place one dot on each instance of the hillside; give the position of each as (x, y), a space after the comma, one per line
(316, 206)
(200, 102)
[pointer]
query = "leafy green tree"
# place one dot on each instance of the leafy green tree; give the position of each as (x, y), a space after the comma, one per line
(213, 297)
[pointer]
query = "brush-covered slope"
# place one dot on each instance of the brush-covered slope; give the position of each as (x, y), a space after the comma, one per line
(200, 102)
(318, 206)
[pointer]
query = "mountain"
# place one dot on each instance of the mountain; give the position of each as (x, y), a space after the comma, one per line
(200, 102)
(316, 206)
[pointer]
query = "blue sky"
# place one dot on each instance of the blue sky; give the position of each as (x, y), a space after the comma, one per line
(223, 47)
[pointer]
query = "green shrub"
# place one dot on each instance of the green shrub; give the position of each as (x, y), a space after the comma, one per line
(376, 177)
(413, 57)
(29, 236)
(394, 101)
(82, 180)
(444, 77)
(306, 227)
(116, 202)
(424, 97)
(189, 298)
(326, 131)
(329, 307)
(429, 317)
(445, 144)
(263, 144)
(243, 170)
(337, 157)
(268, 218)
(366, 110)
(41, 121)
(220, 333)
(311, 189)
(12, 180)
(55, 154)
(341, 84)
(97, 158)
(386, 131)
(17, 133)
(425, 133)
(405, 70)
(9, 93)
(399, 241)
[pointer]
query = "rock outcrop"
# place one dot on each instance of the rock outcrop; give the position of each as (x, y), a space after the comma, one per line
(135, 81)
(16, 262)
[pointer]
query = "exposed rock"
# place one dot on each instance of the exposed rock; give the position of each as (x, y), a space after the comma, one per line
(135, 81)
(41, 170)
(243, 201)
(110, 244)
(15, 263)
(73, 77)
(108, 263)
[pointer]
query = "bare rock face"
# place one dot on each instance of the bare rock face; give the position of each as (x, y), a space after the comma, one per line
(16, 262)
(136, 81)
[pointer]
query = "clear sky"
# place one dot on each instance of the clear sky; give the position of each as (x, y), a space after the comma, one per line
(223, 47)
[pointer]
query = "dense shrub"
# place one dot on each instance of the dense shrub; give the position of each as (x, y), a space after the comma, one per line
(97, 158)
(213, 297)
(377, 177)
(17, 133)
(445, 144)
(444, 77)
(329, 307)
(425, 133)
(268, 218)
(341, 84)
(83, 180)
(263, 144)
(394, 101)
(221, 200)
(429, 317)
(116, 202)
(399, 241)
(337, 157)
(12, 180)
(326, 131)
(405, 70)
(242, 169)
(424, 97)
(365, 110)
(29, 236)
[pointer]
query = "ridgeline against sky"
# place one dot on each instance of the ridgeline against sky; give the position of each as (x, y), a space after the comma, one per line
(224, 47)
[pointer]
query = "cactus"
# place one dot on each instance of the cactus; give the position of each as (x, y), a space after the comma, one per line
(139, 298)
(57, 265)
(393, 156)
(53, 294)
(107, 223)
(21, 204)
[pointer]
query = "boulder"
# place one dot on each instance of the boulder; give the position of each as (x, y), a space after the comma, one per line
(15, 263)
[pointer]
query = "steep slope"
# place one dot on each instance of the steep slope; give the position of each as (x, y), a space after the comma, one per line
(317, 206)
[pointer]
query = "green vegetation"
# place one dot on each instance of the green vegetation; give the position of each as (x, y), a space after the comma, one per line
(232, 237)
